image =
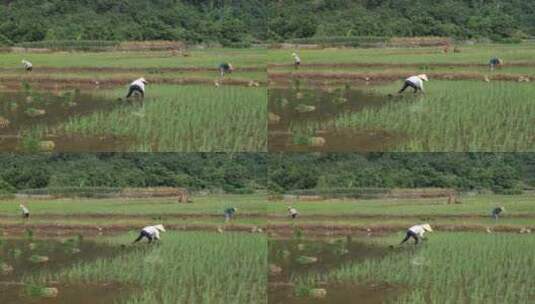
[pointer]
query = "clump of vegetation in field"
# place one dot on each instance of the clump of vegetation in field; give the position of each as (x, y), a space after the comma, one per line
(453, 268)
(187, 118)
(204, 268)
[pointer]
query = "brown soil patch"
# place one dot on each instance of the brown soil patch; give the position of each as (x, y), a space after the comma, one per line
(380, 77)
(154, 70)
(57, 84)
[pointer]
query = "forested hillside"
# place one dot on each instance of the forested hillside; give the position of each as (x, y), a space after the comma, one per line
(499, 172)
(224, 21)
(229, 172)
(241, 22)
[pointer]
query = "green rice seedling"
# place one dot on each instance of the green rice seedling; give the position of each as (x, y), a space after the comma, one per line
(204, 268)
(453, 268)
(186, 118)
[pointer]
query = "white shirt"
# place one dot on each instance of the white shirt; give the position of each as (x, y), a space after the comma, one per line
(139, 82)
(417, 81)
(293, 211)
(418, 229)
(297, 59)
(152, 231)
(27, 64)
(24, 210)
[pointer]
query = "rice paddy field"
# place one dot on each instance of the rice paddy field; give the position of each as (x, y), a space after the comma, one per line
(466, 106)
(187, 106)
(340, 251)
(81, 250)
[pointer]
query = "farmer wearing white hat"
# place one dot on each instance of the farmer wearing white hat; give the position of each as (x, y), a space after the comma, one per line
(292, 212)
(297, 60)
(25, 211)
(496, 212)
(415, 82)
(138, 86)
(28, 66)
(225, 68)
(417, 232)
(151, 233)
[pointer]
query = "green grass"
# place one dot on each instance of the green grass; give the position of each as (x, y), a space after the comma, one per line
(458, 116)
(202, 205)
(453, 268)
(480, 53)
(472, 205)
(186, 119)
(211, 58)
(452, 116)
(197, 268)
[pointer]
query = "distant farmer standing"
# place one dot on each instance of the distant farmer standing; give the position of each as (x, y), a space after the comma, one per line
(230, 213)
(415, 82)
(292, 212)
(494, 63)
(151, 233)
(25, 211)
(417, 232)
(297, 60)
(225, 68)
(137, 86)
(28, 66)
(497, 211)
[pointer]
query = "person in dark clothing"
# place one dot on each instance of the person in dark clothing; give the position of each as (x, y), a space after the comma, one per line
(497, 211)
(230, 213)
(494, 63)
(225, 68)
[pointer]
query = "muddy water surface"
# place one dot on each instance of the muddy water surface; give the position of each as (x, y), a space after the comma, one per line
(296, 258)
(314, 110)
(20, 258)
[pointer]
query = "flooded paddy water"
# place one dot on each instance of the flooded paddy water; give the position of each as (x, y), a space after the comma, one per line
(302, 120)
(23, 111)
(22, 259)
(292, 260)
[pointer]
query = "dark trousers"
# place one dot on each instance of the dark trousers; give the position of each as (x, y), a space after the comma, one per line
(409, 235)
(297, 64)
(29, 69)
(135, 88)
(143, 234)
(294, 215)
(408, 84)
(26, 215)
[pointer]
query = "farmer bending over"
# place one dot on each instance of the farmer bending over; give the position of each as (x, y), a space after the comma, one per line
(415, 82)
(138, 86)
(28, 66)
(417, 232)
(496, 212)
(25, 211)
(494, 63)
(151, 233)
(297, 60)
(225, 68)
(229, 213)
(292, 212)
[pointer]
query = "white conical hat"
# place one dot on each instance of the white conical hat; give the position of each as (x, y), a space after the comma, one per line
(423, 77)
(427, 227)
(160, 227)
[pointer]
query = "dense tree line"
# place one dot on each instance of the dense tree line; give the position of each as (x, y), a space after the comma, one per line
(225, 21)
(235, 173)
(501, 173)
(494, 19)
(241, 22)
